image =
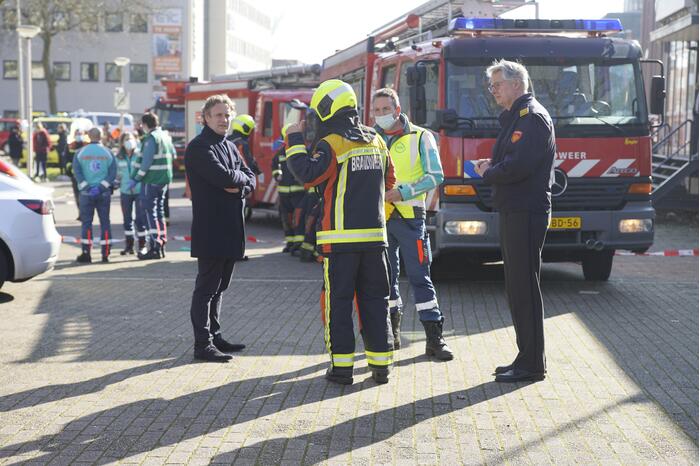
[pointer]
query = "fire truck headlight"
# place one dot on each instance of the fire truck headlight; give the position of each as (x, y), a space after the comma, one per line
(636, 225)
(465, 227)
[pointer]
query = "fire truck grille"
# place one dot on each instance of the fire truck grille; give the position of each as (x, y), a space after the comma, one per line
(580, 194)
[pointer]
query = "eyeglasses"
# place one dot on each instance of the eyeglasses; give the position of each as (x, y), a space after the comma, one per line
(496, 85)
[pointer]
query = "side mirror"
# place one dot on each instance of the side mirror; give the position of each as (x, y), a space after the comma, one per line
(658, 95)
(298, 104)
(416, 75)
(418, 106)
(446, 119)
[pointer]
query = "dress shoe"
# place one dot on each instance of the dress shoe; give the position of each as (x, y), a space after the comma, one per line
(380, 375)
(519, 375)
(502, 369)
(211, 354)
(339, 376)
(226, 347)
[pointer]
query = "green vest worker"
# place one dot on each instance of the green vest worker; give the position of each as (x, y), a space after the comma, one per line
(416, 160)
(350, 166)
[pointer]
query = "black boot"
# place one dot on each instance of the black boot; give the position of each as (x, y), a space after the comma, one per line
(306, 256)
(129, 248)
(435, 344)
(84, 258)
(142, 246)
(380, 374)
(153, 253)
(226, 347)
(396, 328)
(287, 247)
(339, 375)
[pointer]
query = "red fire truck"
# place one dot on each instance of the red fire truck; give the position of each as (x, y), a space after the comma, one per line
(171, 115)
(268, 96)
(591, 84)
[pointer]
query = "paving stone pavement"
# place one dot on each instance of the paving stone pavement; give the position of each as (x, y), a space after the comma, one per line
(96, 367)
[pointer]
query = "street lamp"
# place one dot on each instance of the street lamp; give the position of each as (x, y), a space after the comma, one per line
(121, 62)
(27, 31)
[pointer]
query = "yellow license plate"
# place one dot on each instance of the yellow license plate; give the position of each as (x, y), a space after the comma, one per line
(565, 223)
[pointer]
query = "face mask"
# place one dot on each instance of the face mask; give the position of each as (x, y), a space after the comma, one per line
(78, 138)
(129, 144)
(385, 121)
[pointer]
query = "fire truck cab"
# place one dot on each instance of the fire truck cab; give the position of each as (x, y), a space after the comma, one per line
(593, 88)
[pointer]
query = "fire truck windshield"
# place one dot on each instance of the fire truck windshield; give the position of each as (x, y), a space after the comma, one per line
(171, 118)
(602, 96)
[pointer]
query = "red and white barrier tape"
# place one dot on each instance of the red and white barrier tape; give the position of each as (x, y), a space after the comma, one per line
(73, 239)
(665, 253)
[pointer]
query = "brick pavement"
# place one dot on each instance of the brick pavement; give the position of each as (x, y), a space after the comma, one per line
(92, 374)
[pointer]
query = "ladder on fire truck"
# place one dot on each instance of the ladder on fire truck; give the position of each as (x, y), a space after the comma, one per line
(432, 19)
(673, 161)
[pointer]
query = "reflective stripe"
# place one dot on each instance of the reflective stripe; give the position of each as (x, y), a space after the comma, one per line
(396, 302)
(85, 241)
(343, 360)
(141, 173)
(351, 236)
(141, 233)
(160, 156)
(156, 168)
(340, 196)
(154, 231)
(380, 359)
(290, 189)
(129, 232)
(294, 150)
(104, 183)
(359, 151)
(82, 184)
(327, 306)
(297, 238)
(307, 246)
(427, 305)
(415, 202)
(289, 239)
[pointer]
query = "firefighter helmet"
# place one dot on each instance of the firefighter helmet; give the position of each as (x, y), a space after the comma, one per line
(332, 96)
(244, 124)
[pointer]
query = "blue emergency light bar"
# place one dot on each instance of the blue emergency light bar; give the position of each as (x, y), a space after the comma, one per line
(534, 25)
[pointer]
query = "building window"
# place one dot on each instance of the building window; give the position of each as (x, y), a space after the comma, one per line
(88, 23)
(138, 23)
(38, 70)
(9, 19)
(9, 69)
(61, 70)
(114, 22)
(113, 73)
(138, 73)
(89, 72)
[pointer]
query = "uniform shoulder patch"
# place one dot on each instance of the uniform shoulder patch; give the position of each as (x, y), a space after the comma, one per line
(515, 137)
(524, 111)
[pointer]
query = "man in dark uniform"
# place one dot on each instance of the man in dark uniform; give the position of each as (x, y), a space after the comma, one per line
(219, 181)
(520, 171)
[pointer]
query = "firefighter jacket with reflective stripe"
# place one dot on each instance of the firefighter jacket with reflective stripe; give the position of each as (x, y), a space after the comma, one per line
(416, 160)
(351, 176)
(94, 166)
(154, 165)
(287, 184)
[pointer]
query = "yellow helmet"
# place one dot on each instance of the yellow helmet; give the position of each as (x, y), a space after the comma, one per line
(284, 130)
(244, 124)
(331, 96)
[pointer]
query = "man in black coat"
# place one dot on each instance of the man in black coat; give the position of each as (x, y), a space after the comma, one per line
(520, 171)
(219, 182)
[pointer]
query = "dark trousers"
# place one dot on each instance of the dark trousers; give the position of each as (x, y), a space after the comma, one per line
(293, 228)
(88, 205)
(213, 277)
(153, 199)
(522, 237)
(362, 277)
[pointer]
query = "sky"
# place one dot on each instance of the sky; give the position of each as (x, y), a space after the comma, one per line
(310, 30)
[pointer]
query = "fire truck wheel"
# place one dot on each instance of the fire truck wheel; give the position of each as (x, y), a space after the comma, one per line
(248, 212)
(597, 265)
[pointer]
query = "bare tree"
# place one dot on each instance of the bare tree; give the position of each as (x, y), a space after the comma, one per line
(56, 17)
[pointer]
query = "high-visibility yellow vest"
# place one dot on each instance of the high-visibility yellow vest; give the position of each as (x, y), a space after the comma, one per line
(408, 168)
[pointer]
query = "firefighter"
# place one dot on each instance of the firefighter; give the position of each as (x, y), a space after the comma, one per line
(520, 171)
(416, 160)
(291, 194)
(350, 165)
(241, 128)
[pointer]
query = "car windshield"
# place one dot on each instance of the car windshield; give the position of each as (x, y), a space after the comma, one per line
(111, 119)
(52, 126)
(576, 93)
(171, 119)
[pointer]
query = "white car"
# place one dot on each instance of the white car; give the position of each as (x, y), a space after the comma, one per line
(29, 242)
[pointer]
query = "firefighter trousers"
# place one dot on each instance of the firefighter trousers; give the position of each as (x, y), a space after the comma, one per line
(522, 237)
(362, 276)
(293, 231)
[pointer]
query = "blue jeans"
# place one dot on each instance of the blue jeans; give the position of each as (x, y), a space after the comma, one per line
(131, 204)
(411, 237)
(153, 199)
(88, 205)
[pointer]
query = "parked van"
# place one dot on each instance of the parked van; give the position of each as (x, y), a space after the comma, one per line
(100, 118)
